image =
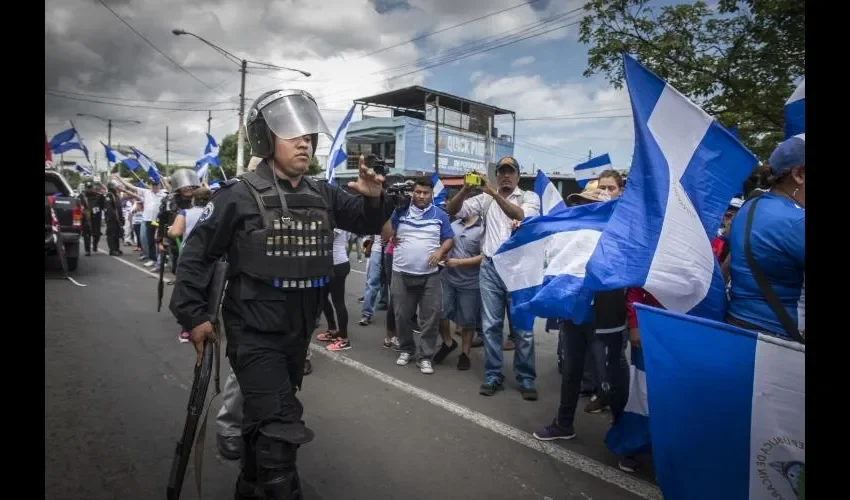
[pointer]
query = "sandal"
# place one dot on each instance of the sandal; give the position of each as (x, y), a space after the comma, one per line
(326, 336)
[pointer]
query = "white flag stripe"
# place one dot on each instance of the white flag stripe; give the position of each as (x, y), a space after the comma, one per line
(678, 127)
(778, 419)
(522, 267)
(591, 173)
(550, 199)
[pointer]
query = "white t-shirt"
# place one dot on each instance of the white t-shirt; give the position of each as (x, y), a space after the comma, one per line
(498, 225)
(152, 201)
(191, 215)
(340, 242)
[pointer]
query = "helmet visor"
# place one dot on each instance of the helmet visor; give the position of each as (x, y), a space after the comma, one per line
(291, 114)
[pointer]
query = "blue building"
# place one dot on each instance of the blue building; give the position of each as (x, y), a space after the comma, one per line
(406, 138)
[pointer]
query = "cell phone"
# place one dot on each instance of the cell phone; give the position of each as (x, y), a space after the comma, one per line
(472, 179)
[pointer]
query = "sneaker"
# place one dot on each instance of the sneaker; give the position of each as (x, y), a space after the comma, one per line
(463, 362)
(361, 299)
(425, 366)
(490, 387)
(149, 263)
(554, 431)
(529, 393)
(365, 321)
(339, 345)
(444, 351)
(628, 464)
(403, 359)
(388, 342)
(326, 336)
(396, 345)
(596, 405)
(184, 337)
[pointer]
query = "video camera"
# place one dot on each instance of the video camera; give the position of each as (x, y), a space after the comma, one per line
(399, 191)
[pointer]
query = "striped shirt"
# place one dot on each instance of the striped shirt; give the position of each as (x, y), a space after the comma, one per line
(420, 233)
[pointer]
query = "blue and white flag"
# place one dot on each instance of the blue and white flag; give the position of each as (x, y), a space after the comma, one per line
(629, 436)
(795, 112)
(550, 198)
(214, 185)
(686, 167)
(590, 170)
(337, 155)
(543, 263)
(439, 191)
(67, 140)
(728, 409)
(210, 157)
(148, 165)
(116, 157)
(83, 170)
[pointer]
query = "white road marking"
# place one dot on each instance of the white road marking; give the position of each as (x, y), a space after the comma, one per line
(72, 280)
(575, 460)
(570, 458)
(134, 266)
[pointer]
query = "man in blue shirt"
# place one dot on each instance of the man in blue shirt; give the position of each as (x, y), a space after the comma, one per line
(423, 237)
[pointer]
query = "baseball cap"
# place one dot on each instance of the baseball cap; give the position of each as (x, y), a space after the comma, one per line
(788, 154)
(508, 161)
(589, 195)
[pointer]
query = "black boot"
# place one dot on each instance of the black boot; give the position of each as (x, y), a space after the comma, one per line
(247, 490)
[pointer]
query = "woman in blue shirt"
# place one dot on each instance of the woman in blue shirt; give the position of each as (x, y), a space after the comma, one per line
(774, 268)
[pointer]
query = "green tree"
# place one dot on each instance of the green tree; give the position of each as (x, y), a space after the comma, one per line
(738, 60)
(314, 168)
(227, 157)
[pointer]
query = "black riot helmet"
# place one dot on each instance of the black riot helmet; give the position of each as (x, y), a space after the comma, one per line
(286, 114)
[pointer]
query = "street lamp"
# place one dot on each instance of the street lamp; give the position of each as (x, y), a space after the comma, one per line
(243, 67)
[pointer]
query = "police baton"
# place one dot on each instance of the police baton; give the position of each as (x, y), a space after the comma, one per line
(211, 358)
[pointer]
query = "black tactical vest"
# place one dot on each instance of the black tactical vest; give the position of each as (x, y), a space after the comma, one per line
(294, 247)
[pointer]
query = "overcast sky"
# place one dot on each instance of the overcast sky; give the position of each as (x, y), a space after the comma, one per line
(96, 64)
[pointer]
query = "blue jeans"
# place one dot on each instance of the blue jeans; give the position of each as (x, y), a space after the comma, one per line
(373, 283)
(494, 302)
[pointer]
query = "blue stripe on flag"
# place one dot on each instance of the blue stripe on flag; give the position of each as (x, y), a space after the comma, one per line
(685, 170)
(740, 443)
(542, 263)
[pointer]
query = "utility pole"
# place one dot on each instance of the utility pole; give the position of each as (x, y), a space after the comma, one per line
(209, 121)
(589, 154)
(243, 68)
(437, 135)
(488, 156)
(240, 132)
(166, 147)
(109, 132)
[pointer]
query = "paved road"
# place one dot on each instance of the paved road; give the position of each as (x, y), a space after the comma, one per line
(117, 385)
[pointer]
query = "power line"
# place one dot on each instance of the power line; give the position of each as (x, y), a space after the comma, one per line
(143, 37)
(432, 33)
(136, 106)
(470, 49)
(122, 98)
(556, 118)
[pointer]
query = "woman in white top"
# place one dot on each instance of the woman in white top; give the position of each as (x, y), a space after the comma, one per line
(337, 332)
(185, 222)
(186, 219)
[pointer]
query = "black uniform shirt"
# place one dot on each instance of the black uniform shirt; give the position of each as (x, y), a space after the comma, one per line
(95, 204)
(233, 209)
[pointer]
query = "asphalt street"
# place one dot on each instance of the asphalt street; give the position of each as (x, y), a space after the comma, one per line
(117, 382)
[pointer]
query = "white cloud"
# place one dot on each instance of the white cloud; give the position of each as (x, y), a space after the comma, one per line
(561, 143)
(522, 61)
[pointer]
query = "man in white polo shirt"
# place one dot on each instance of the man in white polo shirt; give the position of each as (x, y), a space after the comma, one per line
(152, 198)
(500, 210)
(423, 236)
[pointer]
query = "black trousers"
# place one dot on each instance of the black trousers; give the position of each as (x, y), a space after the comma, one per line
(576, 344)
(336, 290)
(91, 233)
(269, 367)
(113, 236)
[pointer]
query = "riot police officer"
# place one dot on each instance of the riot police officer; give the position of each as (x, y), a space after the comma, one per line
(275, 227)
(114, 218)
(184, 182)
(93, 203)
